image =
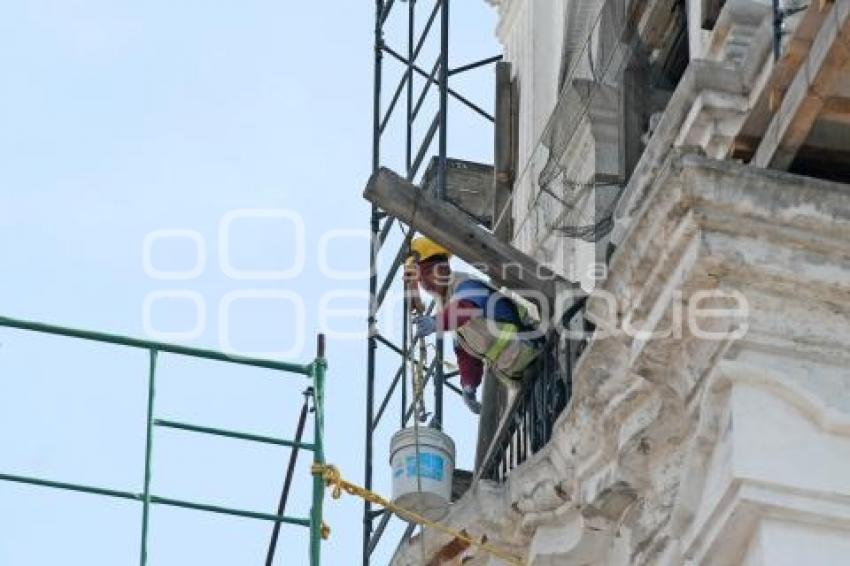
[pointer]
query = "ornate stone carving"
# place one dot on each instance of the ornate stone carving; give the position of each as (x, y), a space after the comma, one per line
(687, 447)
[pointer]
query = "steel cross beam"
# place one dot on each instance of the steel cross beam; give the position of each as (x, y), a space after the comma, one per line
(414, 155)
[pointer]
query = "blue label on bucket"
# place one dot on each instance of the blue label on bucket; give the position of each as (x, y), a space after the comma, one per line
(430, 466)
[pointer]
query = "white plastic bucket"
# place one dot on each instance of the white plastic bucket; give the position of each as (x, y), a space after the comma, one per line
(435, 471)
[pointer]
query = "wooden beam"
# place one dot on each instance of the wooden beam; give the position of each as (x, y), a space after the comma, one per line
(836, 108)
(469, 186)
(744, 147)
(453, 229)
(784, 70)
(494, 404)
(804, 101)
(504, 139)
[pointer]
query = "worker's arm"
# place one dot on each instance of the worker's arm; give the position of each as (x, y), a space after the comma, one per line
(454, 315)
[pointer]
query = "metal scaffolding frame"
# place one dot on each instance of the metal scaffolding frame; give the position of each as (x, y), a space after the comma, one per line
(436, 22)
(314, 371)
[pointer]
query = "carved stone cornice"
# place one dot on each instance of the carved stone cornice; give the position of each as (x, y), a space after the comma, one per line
(641, 466)
(712, 100)
(508, 15)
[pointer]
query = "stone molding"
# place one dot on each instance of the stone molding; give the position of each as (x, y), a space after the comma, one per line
(712, 100)
(508, 14)
(644, 466)
(719, 530)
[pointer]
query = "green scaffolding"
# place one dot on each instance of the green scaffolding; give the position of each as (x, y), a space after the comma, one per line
(314, 371)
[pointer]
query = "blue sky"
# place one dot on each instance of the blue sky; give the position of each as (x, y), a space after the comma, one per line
(119, 119)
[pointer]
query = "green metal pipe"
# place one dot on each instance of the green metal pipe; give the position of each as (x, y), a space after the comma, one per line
(154, 499)
(153, 345)
(146, 494)
(315, 370)
(70, 486)
(229, 511)
(319, 367)
(232, 434)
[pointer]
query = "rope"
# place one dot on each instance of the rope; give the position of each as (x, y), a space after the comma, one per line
(333, 479)
(418, 406)
(417, 396)
(417, 400)
(419, 380)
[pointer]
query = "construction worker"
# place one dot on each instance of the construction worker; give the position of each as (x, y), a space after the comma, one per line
(489, 327)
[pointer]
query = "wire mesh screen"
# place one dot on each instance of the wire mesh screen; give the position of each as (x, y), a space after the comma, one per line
(587, 187)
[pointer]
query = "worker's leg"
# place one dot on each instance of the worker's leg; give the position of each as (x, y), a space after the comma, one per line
(471, 368)
(471, 371)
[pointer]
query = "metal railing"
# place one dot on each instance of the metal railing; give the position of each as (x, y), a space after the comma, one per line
(528, 422)
(314, 371)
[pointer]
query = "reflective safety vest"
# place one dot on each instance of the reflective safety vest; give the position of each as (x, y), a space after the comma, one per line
(493, 336)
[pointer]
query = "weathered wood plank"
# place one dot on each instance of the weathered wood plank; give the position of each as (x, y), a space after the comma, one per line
(469, 186)
(504, 150)
(451, 228)
(824, 65)
(494, 404)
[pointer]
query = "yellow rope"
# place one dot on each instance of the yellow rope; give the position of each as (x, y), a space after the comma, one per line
(417, 400)
(418, 380)
(333, 479)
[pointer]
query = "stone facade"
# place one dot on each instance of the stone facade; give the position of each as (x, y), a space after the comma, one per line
(710, 417)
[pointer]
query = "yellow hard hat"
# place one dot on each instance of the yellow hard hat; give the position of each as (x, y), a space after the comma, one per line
(422, 249)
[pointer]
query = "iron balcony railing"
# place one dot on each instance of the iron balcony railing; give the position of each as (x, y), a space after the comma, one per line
(314, 371)
(528, 422)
